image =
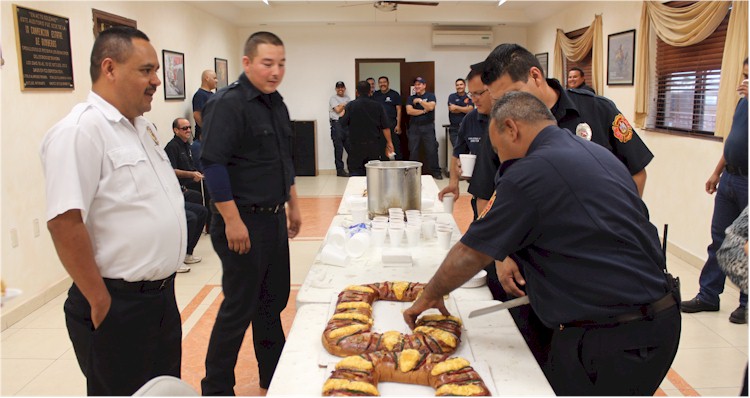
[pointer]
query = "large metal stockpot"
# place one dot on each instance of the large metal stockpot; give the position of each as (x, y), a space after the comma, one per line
(393, 184)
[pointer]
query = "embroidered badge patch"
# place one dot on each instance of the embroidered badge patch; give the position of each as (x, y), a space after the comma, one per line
(489, 206)
(622, 129)
(583, 130)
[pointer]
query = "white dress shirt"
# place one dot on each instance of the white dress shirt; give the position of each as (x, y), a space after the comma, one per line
(121, 180)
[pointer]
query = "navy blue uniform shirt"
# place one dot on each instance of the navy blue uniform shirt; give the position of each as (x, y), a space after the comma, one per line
(390, 100)
(250, 133)
(473, 130)
(428, 117)
(180, 156)
(570, 212)
(200, 99)
(609, 128)
(460, 100)
(735, 147)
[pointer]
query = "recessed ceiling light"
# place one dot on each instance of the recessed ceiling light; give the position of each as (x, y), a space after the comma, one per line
(498, 4)
(265, 1)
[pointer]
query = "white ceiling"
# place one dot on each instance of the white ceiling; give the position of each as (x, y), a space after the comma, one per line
(361, 12)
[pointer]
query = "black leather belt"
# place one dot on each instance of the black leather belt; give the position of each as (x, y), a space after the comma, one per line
(140, 286)
(256, 209)
(644, 312)
(735, 170)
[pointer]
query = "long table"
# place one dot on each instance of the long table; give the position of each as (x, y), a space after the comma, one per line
(493, 340)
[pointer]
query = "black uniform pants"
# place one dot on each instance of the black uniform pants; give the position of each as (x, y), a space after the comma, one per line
(139, 339)
(256, 290)
(362, 152)
(625, 359)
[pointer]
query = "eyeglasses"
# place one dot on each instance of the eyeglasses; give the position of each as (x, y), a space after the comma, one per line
(477, 93)
(186, 128)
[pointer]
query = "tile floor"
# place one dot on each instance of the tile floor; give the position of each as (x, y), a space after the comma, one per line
(37, 357)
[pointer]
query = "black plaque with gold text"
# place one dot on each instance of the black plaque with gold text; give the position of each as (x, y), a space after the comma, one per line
(43, 42)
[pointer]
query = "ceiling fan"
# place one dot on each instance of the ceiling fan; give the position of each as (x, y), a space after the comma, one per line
(392, 5)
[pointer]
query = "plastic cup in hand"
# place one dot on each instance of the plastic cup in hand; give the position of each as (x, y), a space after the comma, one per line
(334, 256)
(444, 237)
(448, 202)
(467, 164)
(357, 245)
(396, 234)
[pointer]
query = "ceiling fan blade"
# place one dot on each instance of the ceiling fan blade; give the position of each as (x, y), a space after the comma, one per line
(415, 3)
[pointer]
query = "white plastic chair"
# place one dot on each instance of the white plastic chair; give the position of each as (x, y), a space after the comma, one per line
(166, 386)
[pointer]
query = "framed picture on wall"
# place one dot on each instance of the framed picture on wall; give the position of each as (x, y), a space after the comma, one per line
(543, 59)
(621, 58)
(174, 74)
(220, 67)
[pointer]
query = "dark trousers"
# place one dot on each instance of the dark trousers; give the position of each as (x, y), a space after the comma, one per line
(139, 339)
(625, 359)
(196, 219)
(453, 134)
(340, 138)
(731, 199)
(396, 140)
(363, 152)
(256, 290)
(424, 136)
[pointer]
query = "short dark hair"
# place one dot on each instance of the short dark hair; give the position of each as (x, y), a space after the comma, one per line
(509, 58)
(473, 73)
(363, 88)
(369, 78)
(115, 43)
(258, 38)
(577, 69)
(176, 124)
(384, 77)
(460, 80)
(519, 105)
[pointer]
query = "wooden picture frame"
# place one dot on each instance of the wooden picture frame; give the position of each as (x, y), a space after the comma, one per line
(222, 72)
(104, 20)
(543, 59)
(621, 58)
(173, 64)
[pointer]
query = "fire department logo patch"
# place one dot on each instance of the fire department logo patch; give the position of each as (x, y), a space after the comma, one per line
(622, 129)
(488, 207)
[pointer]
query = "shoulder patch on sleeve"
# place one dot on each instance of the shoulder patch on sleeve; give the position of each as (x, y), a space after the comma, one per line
(622, 129)
(488, 206)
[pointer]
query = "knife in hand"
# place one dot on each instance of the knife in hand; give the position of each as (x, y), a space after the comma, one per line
(516, 302)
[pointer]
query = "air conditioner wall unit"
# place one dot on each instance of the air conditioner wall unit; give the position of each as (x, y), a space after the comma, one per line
(462, 38)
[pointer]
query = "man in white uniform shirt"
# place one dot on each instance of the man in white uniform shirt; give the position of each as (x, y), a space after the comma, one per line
(116, 215)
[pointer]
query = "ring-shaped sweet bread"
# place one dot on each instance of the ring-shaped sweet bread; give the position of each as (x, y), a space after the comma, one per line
(348, 332)
(359, 375)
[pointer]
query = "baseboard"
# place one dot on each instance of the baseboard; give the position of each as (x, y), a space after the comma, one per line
(327, 172)
(10, 317)
(685, 256)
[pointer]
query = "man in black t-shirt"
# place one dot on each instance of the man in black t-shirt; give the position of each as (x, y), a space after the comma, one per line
(369, 131)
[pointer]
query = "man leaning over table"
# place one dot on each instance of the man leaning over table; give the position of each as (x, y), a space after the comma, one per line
(562, 206)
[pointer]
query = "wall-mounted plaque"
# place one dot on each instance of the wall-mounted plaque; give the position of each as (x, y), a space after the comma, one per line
(43, 42)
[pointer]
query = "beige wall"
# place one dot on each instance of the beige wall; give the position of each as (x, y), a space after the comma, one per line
(674, 191)
(681, 165)
(315, 63)
(26, 116)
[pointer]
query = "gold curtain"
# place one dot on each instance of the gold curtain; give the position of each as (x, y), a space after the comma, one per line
(678, 27)
(735, 51)
(576, 50)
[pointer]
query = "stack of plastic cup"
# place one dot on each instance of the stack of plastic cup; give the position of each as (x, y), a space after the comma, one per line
(412, 234)
(428, 226)
(334, 255)
(444, 233)
(378, 234)
(395, 214)
(396, 233)
(357, 245)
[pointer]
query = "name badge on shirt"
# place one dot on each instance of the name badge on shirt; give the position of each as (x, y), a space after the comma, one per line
(153, 136)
